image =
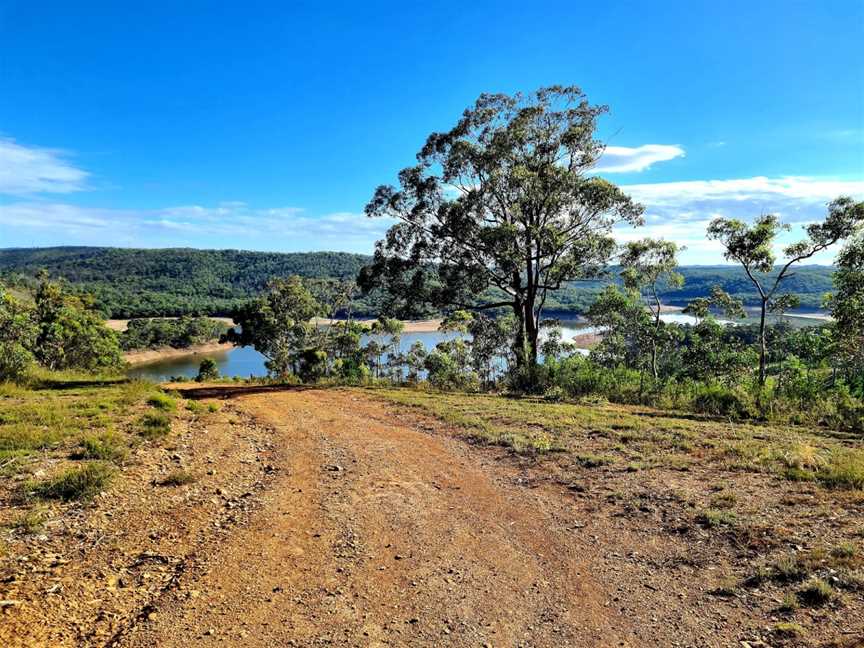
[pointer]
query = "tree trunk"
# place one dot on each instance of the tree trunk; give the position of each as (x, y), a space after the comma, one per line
(532, 331)
(762, 345)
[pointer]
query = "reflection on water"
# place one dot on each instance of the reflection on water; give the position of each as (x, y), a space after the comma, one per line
(245, 362)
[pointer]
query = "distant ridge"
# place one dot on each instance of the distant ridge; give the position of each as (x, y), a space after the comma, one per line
(129, 282)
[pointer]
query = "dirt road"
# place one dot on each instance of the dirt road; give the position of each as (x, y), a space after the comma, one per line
(378, 534)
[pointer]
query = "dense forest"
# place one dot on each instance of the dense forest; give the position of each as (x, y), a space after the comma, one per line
(130, 283)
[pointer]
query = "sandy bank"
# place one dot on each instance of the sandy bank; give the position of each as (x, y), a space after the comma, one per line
(122, 324)
(155, 355)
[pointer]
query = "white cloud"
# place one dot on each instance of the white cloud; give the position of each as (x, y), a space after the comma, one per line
(231, 224)
(793, 198)
(625, 159)
(681, 211)
(28, 170)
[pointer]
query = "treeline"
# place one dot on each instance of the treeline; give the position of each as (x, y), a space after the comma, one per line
(180, 333)
(129, 283)
(134, 283)
(814, 375)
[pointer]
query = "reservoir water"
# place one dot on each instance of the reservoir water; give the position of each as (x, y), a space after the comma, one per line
(245, 362)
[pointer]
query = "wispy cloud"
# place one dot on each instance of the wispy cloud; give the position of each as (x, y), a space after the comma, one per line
(681, 211)
(625, 159)
(794, 198)
(29, 170)
(283, 228)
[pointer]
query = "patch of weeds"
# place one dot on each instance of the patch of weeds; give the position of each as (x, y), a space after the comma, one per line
(30, 521)
(724, 500)
(154, 425)
(80, 483)
(789, 630)
(789, 603)
(843, 469)
(844, 551)
(815, 592)
(593, 461)
(162, 402)
(212, 408)
(107, 446)
(195, 407)
(177, 477)
(716, 517)
(799, 474)
(788, 569)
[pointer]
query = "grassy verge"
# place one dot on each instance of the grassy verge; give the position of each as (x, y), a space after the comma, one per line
(643, 439)
(73, 432)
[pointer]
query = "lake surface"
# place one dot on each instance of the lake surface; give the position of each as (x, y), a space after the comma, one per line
(246, 361)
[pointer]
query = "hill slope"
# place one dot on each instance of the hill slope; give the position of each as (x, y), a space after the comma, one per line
(167, 282)
(139, 283)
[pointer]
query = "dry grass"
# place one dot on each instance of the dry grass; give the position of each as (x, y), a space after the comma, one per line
(643, 439)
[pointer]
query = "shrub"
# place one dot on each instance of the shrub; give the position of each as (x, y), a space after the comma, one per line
(162, 402)
(718, 400)
(177, 477)
(154, 424)
(815, 592)
(105, 446)
(207, 370)
(82, 483)
(30, 521)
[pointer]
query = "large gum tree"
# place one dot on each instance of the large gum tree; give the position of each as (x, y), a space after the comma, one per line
(505, 200)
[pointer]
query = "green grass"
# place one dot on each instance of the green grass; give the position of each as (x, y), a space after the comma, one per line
(716, 517)
(177, 477)
(79, 483)
(154, 425)
(107, 446)
(162, 402)
(86, 416)
(815, 592)
(638, 438)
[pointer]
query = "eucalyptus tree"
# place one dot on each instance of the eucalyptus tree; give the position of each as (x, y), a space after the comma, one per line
(649, 266)
(505, 200)
(18, 333)
(718, 299)
(279, 325)
(752, 246)
(847, 306)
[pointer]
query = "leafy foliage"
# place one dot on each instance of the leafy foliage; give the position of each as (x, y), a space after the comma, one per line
(526, 217)
(180, 333)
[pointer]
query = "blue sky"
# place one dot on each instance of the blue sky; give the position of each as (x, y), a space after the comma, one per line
(267, 125)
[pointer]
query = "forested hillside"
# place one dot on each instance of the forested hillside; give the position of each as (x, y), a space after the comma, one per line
(168, 282)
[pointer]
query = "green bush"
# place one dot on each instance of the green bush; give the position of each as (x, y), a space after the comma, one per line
(207, 370)
(154, 425)
(719, 400)
(162, 402)
(82, 483)
(105, 446)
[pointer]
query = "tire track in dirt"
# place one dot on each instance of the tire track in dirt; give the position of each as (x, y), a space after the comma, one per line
(375, 533)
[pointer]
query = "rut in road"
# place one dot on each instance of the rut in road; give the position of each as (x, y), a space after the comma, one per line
(379, 533)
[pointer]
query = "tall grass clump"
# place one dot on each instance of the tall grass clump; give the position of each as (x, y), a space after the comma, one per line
(79, 483)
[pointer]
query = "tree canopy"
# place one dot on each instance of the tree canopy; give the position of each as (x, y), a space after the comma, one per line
(504, 199)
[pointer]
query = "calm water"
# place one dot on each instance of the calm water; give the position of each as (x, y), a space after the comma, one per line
(247, 362)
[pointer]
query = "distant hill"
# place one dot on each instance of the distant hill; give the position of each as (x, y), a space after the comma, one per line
(168, 282)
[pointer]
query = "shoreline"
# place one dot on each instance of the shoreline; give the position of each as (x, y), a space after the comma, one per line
(147, 356)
